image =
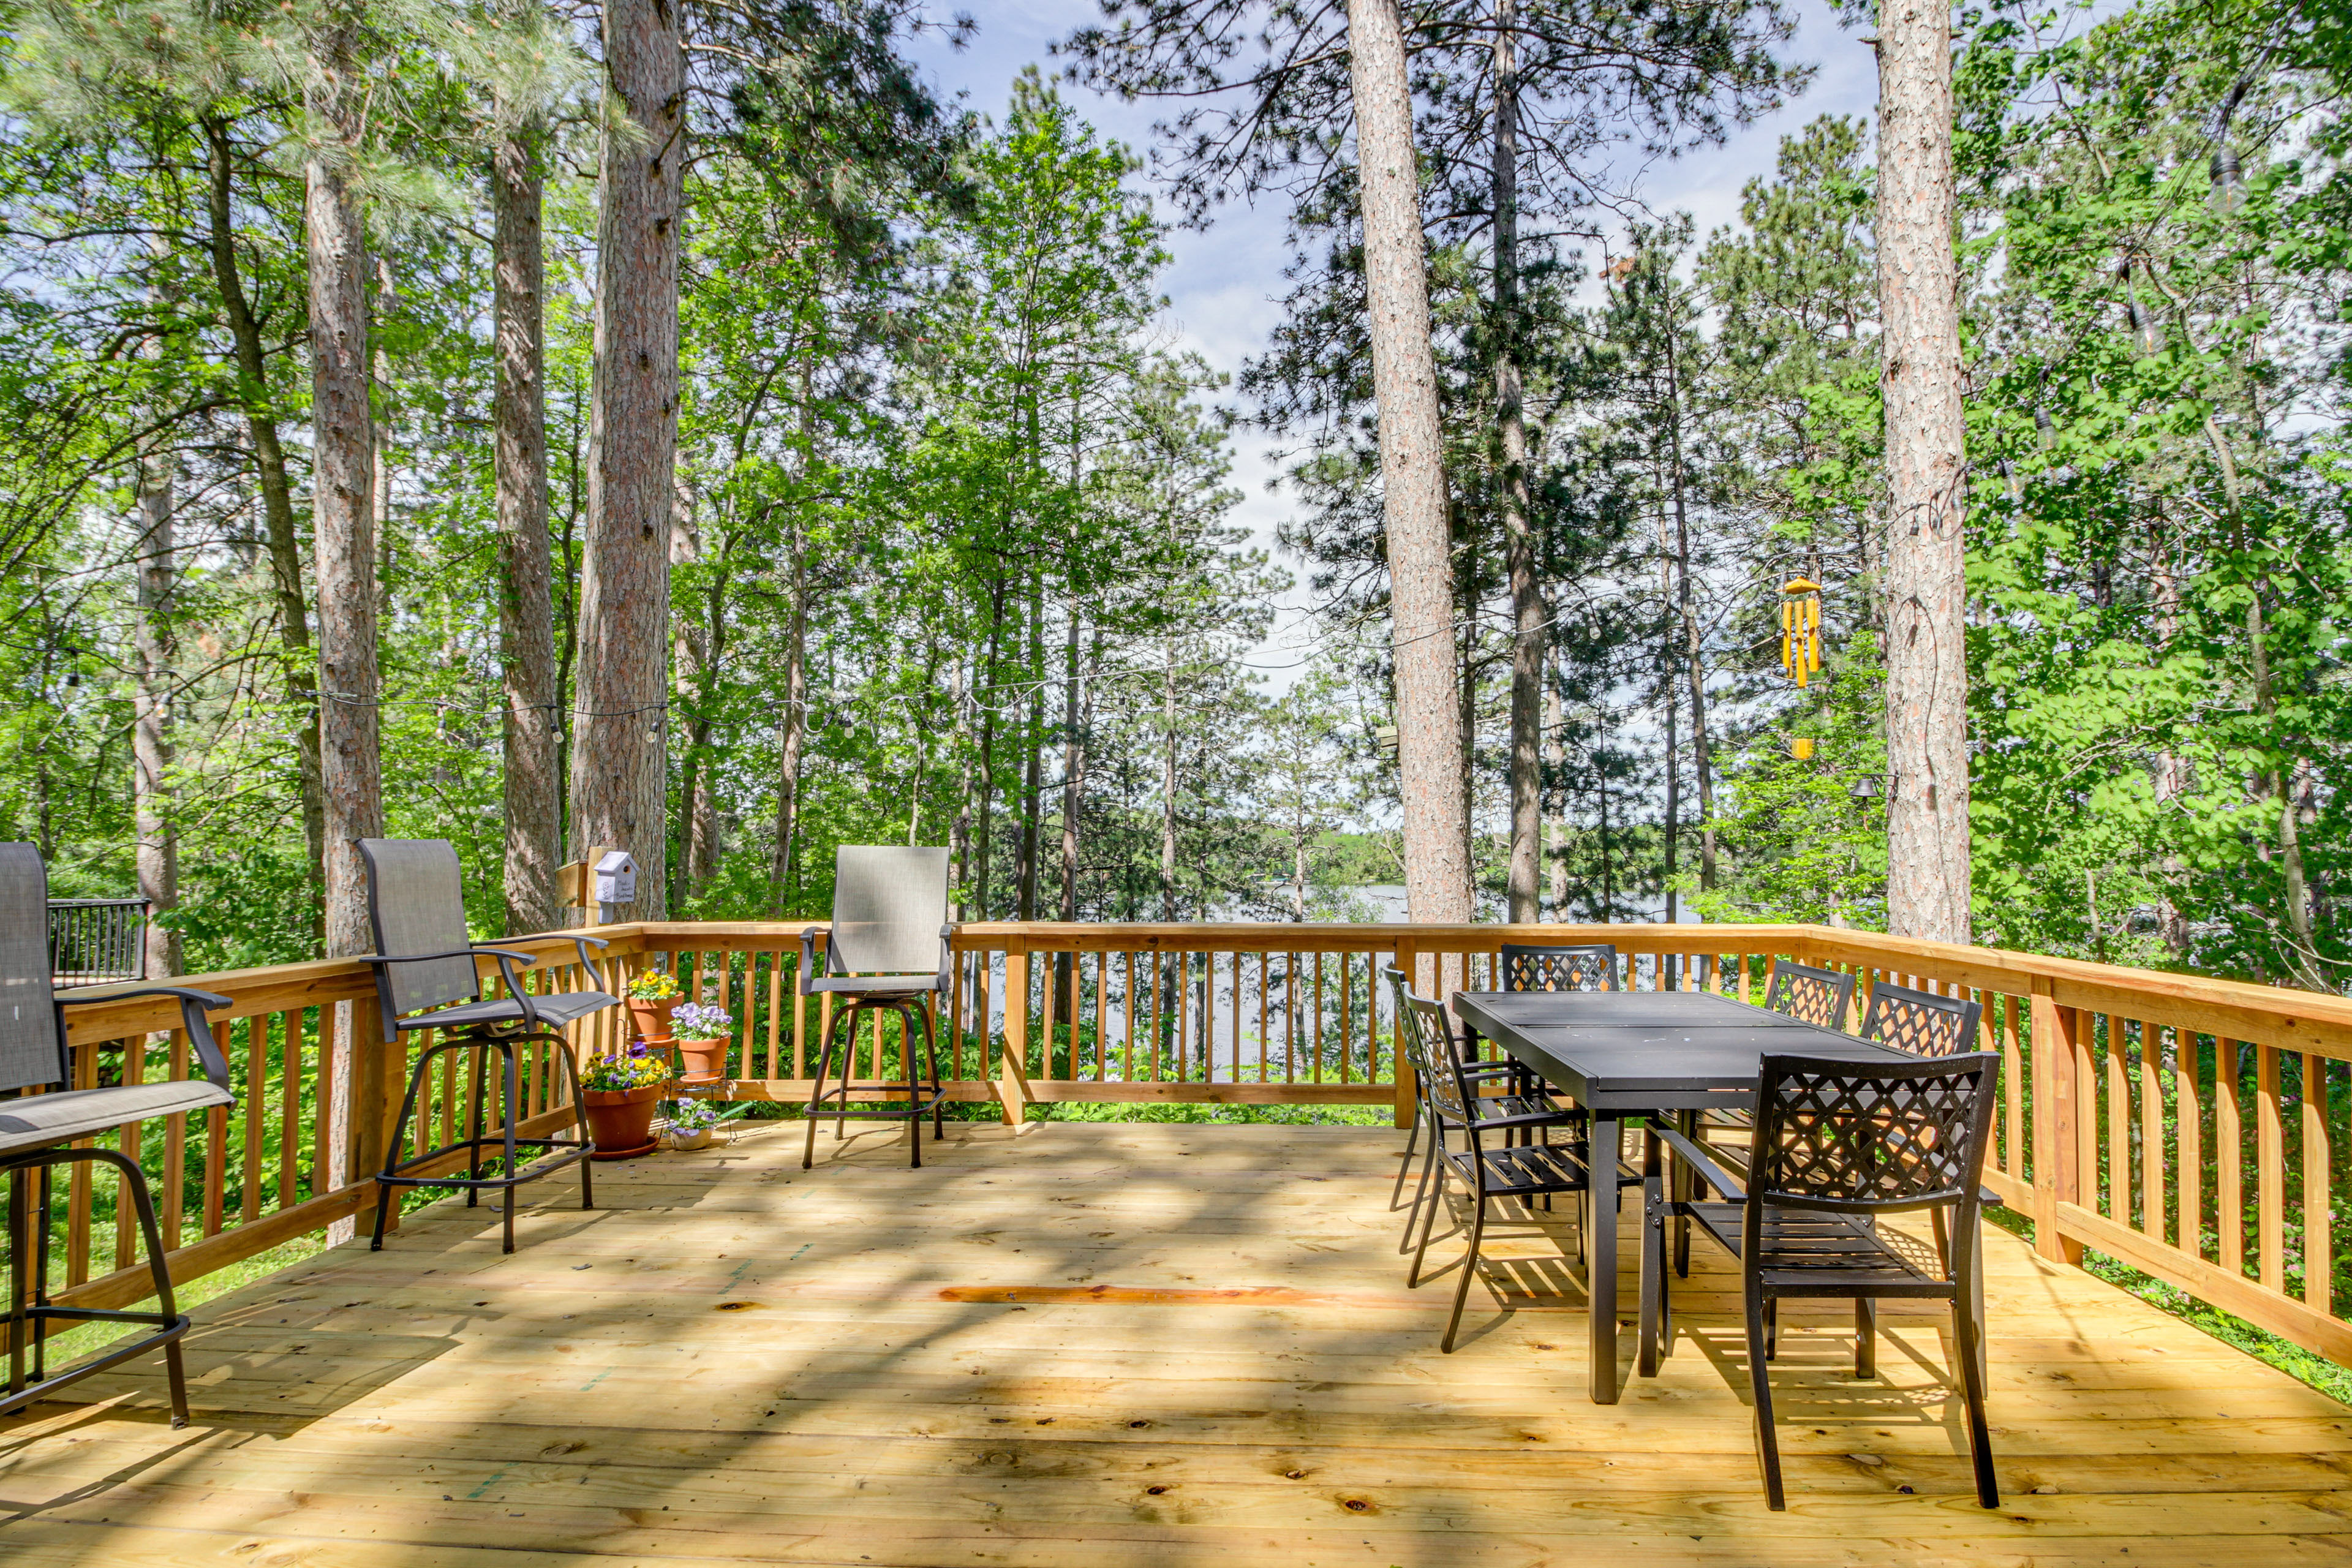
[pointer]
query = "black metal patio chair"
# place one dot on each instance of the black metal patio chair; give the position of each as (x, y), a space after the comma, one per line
(426, 977)
(1520, 1172)
(888, 952)
(96, 941)
(1840, 1145)
(1921, 1023)
(1526, 1109)
(1518, 968)
(37, 1128)
(1816, 996)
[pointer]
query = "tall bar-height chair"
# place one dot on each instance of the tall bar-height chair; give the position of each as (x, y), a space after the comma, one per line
(426, 978)
(1838, 1145)
(888, 952)
(1523, 1171)
(36, 1127)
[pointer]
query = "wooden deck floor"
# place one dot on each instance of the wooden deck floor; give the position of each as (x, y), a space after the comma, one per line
(1115, 1344)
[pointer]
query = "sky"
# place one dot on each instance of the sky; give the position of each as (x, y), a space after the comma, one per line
(1225, 283)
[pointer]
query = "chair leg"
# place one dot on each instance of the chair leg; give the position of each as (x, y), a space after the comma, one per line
(1405, 1164)
(1469, 1268)
(1421, 1192)
(931, 1061)
(509, 1088)
(19, 1267)
(42, 1186)
(1865, 1337)
(143, 1202)
(1760, 1380)
(816, 1092)
(1436, 1201)
(474, 1128)
(1968, 1335)
(1772, 1329)
(399, 1139)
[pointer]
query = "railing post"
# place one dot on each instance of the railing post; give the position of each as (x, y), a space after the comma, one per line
(1012, 1071)
(2057, 1164)
(1408, 1088)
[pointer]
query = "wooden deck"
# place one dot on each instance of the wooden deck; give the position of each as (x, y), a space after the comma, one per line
(1116, 1344)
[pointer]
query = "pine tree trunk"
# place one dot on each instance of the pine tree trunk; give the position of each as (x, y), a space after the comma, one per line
(277, 507)
(1074, 767)
(342, 486)
(526, 575)
(1523, 879)
(959, 830)
(791, 727)
(1668, 659)
(1693, 644)
(1556, 752)
(1033, 764)
(155, 651)
(1167, 783)
(1926, 669)
(618, 764)
(1404, 382)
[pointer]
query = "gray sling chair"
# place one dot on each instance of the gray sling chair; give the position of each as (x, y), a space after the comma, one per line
(426, 978)
(33, 1129)
(887, 953)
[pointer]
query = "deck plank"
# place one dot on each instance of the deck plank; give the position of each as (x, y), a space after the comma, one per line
(1157, 1343)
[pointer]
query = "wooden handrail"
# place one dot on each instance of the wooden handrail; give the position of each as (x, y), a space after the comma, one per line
(2177, 1121)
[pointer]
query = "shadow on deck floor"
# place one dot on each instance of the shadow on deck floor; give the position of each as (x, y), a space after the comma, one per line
(1119, 1343)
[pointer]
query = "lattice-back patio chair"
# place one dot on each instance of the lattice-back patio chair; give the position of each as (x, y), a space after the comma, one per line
(887, 953)
(1591, 967)
(1816, 996)
(1523, 1171)
(36, 1127)
(426, 978)
(1920, 1023)
(1838, 1145)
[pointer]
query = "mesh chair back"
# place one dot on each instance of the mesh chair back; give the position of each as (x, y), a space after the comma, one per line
(416, 903)
(1817, 996)
(32, 1046)
(1427, 1041)
(889, 904)
(1920, 1023)
(1853, 1135)
(1590, 967)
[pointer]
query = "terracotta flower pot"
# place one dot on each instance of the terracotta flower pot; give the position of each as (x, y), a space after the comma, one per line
(651, 1020)
(621, 1121)
(702, 1061)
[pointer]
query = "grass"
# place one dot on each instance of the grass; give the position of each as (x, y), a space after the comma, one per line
(75, 1343)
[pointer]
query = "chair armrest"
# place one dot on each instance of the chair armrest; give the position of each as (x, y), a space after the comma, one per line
(808, 958)
(947, 955)
(1696, 1158)
(192, 1003)
(583, 943)
(471, 952)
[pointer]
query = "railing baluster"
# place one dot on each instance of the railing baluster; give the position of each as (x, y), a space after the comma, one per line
(2152, 1184)
(290, 1109)
(2319, 1226)
(2189, 1121)
(2270, 1170)
(2230, 1157)
(254, 1110)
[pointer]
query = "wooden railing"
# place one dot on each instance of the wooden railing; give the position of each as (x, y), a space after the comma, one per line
(2188, 1127)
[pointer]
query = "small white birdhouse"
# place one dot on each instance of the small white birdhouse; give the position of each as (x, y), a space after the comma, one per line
(617, 878)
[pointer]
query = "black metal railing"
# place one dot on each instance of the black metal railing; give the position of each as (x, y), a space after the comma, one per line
(95, 940)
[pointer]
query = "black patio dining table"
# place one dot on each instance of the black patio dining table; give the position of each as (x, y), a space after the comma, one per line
(1627, 1056)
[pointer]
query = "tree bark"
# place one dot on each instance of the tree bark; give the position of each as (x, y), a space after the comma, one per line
(1694, 644)
(526, 575)
(1523, 879)
(1556, 754)
(276, 506)
(959, 830)
(791, 727)
(342, 483)
(1033, 766)
(1168, 782)
(155, 651)
(1074, 767)
(1413, 480)
(619, 764)
(1926, 669)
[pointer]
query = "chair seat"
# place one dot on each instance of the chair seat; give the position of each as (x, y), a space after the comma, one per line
(1532, 1169)
(560, 1008)
(1489, 1107)
(875, 984)
(36, 1121)
(1806, 1252)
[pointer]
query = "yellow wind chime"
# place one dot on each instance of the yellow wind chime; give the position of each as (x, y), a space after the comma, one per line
(1801, 643)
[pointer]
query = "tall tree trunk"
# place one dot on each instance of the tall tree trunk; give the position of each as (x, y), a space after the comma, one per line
(526, 576)
(959, 830)
(2171, 781)
(1074, 767)
(277, 504)
(2303, 954)
(1669, 657)
(1927, 668)
(1523, 879)
(343, 482)
(619, 764)
(1168, 782)
(1556, 754)
(154, 649)
(1702, 759)
(791, 727)
(984, 848)
(1412, 478)
(380, 507)
(1032, 771)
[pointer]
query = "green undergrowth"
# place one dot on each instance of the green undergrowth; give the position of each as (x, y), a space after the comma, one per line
(2304, 1366)
(74, 1344)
